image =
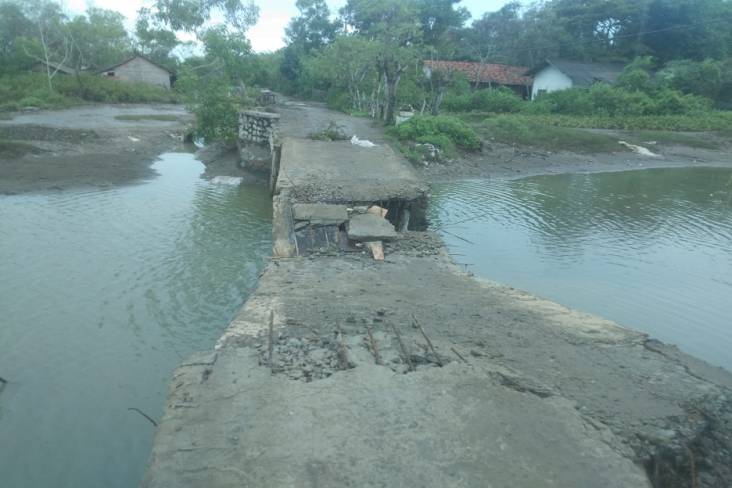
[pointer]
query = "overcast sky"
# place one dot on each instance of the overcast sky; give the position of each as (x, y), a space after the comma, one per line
(274, 15)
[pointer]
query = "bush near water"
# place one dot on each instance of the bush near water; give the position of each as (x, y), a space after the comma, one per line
(445, 132)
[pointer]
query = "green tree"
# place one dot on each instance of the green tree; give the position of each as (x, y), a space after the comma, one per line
(99, 39)
(14, 28)
(154, 41)
(394, 27)
(306, 33)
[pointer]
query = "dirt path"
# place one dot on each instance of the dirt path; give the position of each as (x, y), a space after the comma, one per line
(94, 145)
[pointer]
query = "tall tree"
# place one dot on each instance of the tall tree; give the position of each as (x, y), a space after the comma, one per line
(14, 28)
(99, 38)
(153, 40)
(394, 27)
(307, 32)
(312, 28)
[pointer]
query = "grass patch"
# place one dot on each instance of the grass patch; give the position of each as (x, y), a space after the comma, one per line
(331, 132)
(31, 90)
(525, 132)
(141, 117)
(720, 121)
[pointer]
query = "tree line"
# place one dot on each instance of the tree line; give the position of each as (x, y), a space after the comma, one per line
(368, 56)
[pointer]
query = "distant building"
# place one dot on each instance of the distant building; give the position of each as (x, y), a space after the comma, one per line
(559, 75)
(54, 67)
(484, 75)
(140, 69)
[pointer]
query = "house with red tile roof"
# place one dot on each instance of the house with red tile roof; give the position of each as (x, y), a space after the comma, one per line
(483, 75)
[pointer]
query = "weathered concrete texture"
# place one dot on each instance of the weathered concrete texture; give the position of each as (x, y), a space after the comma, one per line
(344, 371)
(320, 213)
(545, 396)
(284, 243)
(450, 427)
(340, 172)
(370, 227)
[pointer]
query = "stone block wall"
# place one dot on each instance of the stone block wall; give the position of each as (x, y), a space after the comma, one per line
(258, 140)
(258, 127)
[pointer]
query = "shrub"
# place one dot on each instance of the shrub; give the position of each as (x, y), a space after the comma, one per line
(339, 100)
(32, 89)
(426, 127)
(527, 131)
(608, 101)
(456, 103)
(439, 140)
(497, 100)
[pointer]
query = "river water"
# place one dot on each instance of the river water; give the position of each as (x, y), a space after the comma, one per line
(650, 249)
(102, 293)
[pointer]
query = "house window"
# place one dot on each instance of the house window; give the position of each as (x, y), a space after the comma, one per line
(110, 73)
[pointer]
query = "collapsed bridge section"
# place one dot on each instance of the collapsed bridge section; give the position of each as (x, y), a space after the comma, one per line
(337, 196)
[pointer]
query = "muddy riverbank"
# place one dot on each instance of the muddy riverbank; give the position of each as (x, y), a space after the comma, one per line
(497, 160)
(87, 146)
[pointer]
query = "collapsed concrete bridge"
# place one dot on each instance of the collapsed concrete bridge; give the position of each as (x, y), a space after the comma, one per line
(345, 370)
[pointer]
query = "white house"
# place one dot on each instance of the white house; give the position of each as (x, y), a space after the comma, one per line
(560, 75)
(140, 69)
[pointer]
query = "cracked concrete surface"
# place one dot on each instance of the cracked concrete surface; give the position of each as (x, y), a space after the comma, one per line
(343, 371)
(548, 397)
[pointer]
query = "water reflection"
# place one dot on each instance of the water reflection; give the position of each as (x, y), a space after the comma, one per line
(650, 249)
(102, 293)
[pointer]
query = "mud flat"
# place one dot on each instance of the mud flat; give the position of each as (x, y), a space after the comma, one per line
(87, 146)
(344, 370)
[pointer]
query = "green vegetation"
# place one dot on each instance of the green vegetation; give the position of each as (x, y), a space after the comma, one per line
(31, 90)
(711, 121)
(447, 133)
(500, 100)
(570, 133)
(526, 132)
(369, 60)
(331, 132)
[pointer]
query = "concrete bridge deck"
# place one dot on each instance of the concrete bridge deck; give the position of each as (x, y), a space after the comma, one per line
(345, 371)
(319, 171)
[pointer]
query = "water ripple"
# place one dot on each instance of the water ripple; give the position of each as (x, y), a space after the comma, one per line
(650, 249)
(103, 292)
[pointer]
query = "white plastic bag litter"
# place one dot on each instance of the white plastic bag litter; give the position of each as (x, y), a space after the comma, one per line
(363, 143)
(226, 180)
(639, 150)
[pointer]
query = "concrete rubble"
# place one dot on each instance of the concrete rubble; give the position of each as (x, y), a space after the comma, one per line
(370, 227)
(341, 370)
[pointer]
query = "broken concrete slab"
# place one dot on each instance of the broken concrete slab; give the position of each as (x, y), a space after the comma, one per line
(320, 213)
(370, 227)
(339, 172)
(455, 426)
(283, 236)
